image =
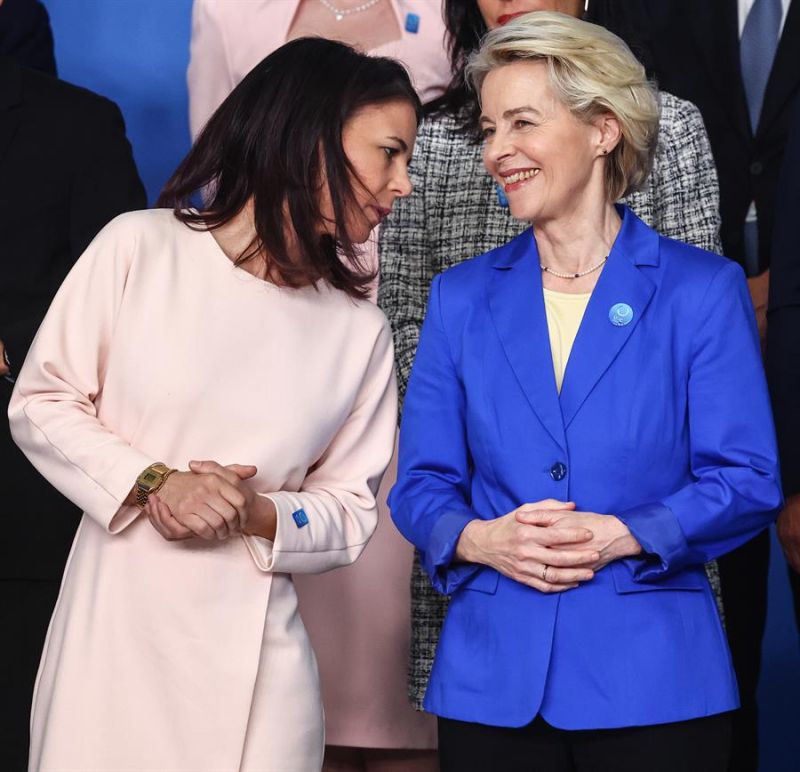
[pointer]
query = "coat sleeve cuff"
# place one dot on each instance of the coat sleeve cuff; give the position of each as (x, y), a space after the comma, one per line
(438, 557)
(263, 550)
(658, 532)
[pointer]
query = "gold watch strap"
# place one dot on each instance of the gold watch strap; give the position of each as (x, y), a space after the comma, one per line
(144, 491)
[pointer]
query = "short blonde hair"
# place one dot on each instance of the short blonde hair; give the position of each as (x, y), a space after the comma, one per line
(592, 72)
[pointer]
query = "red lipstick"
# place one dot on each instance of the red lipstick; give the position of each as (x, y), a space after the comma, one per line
(507, 17)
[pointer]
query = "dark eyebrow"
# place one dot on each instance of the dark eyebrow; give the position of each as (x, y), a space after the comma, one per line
(403, 144)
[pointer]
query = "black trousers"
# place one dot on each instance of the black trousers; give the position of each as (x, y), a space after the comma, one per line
(700, 745)
(25, 610)
(743, 576)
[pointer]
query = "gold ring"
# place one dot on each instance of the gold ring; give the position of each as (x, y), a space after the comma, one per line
(544, 573)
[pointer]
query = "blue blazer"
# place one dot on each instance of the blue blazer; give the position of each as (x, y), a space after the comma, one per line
(663, 420)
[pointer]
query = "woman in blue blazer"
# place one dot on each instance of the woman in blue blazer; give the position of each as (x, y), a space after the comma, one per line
(586, 425)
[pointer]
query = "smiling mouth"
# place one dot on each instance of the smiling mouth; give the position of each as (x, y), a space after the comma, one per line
(515, 179)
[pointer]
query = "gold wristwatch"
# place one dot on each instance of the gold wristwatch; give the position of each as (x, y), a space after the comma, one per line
(150, 481)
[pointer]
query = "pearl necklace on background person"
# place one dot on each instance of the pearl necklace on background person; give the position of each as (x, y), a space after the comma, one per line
(572, 275)
(340, 13)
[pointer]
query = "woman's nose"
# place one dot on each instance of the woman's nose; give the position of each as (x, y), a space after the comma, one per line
(402, 183)
(497, 147)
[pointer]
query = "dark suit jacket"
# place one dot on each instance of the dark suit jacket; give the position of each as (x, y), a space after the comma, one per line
(692, 47)
(783, 329)
(66, 169)
(25, 34)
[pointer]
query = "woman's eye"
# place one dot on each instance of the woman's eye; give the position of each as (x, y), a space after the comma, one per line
(391, 152)
(520, 123)
(487, 132)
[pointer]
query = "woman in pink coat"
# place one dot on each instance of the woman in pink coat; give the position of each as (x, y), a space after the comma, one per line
(358, 618)
(220, 368)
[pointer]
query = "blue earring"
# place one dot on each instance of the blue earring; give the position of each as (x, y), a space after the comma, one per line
(502, 199)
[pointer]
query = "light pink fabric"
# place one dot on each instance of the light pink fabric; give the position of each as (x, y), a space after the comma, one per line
(230, 37)
(191, 655)
(358, 618)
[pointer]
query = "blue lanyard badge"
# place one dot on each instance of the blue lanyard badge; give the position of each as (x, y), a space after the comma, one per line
(412, 23)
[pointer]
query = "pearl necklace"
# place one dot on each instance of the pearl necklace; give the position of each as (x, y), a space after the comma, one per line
(572, 275)
(340, 13)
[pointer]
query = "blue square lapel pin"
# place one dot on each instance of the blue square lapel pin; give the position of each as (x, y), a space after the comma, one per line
(412, 23)
(300, 518)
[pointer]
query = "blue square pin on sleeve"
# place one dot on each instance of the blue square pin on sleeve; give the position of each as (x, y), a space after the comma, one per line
(412, 23)
(300, 518)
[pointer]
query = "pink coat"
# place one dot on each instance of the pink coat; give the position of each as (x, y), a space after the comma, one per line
(358, 617)
(191, 655)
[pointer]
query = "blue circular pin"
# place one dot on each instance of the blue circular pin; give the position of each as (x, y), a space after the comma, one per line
(620, 314)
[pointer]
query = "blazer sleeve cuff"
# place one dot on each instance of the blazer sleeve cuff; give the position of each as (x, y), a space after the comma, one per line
(658, 532)
(437, 560)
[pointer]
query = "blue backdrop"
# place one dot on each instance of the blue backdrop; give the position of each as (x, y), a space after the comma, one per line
(135, 52)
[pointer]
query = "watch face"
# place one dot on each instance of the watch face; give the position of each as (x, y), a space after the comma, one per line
(150, 478)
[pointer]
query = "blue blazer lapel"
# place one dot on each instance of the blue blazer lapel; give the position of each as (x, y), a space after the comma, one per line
(516, 305)
(599, 340)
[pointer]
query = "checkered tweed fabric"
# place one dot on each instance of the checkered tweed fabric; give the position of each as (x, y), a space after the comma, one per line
(453, 215)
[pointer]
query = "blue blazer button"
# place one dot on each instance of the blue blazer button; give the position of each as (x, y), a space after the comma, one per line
(620, 314)
(558, 471)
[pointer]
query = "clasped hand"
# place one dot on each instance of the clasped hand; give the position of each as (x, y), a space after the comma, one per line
(210, 501)
(547, 544)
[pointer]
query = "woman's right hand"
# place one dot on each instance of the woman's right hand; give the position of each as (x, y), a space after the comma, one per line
(206, 505)
(530, 552)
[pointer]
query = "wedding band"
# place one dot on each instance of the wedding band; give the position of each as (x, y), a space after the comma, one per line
(544, 573)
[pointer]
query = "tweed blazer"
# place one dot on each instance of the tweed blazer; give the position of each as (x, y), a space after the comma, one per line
(454, 214)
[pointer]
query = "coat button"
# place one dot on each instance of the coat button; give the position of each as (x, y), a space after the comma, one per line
(756, 168)
(558, 471)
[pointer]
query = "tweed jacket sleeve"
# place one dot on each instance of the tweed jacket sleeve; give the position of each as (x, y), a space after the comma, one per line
(684, 182)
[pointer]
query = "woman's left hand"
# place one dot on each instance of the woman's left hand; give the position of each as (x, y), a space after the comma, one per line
(611, 539)
(260, 515)
(253, 508)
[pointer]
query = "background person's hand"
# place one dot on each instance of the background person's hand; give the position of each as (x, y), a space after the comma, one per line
(208, 504)
(789, 531)
(611, 540)
(525, 546)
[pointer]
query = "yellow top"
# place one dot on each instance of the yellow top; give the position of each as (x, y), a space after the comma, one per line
(564, 314)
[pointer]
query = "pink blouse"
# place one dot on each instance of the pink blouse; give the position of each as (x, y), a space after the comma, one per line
(229, 37)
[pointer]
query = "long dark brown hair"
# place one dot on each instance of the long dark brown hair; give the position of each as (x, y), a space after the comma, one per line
(465, 30)
(273, 140)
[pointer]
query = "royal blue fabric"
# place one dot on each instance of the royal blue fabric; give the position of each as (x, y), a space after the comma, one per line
(664, 422)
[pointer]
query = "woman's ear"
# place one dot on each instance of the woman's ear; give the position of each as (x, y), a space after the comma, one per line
(609, 132)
